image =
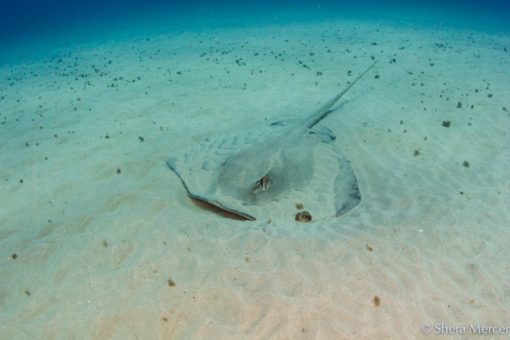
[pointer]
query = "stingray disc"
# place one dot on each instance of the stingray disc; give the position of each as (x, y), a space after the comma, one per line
(332, 189)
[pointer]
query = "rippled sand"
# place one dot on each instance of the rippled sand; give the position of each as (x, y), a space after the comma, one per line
(99, 240)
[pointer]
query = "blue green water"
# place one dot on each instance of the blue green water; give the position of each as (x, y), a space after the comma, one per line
(24, 21)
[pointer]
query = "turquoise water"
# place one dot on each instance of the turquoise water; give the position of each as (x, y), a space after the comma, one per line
(24, 24)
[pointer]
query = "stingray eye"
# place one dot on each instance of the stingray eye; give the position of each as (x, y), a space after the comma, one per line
(262, 184)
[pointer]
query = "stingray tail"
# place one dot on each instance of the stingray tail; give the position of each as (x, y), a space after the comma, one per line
(325, 109)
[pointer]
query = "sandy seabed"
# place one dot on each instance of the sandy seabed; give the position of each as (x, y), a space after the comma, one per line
(99, 240)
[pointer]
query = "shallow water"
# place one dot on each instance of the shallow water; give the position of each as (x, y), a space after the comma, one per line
(99, 240)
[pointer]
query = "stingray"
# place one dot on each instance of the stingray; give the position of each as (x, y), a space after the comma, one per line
(273, 171)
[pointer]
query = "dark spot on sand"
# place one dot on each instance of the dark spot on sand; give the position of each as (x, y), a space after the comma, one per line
(119, 171)
(446, 123)
(170, 283)
(14, 256)
(459, 105)
(377, 301)
(299, 206)
(466, 164)
(303, 216)
(140, 138)
(21, 180)
(369, 248)
(416, 152)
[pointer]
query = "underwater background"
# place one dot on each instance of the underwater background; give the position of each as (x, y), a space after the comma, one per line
(99, 239)
(25, 19)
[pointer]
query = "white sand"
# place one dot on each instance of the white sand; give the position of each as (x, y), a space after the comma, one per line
(95, 249)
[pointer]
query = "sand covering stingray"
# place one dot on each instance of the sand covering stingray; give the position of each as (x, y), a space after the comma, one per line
(271, 171)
